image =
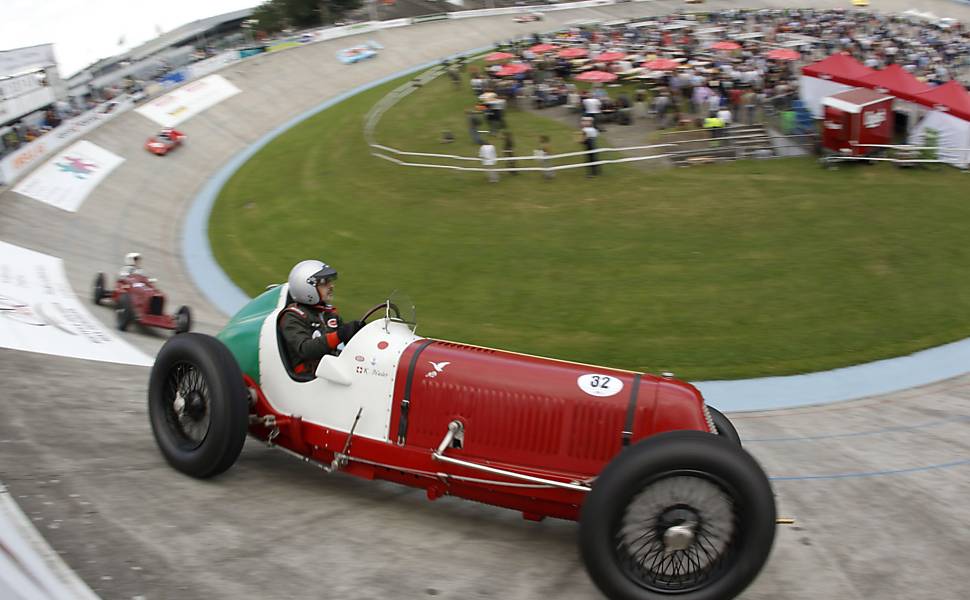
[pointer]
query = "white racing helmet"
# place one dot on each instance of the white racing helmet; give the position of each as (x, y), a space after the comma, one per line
(304, 278)
(131, 258)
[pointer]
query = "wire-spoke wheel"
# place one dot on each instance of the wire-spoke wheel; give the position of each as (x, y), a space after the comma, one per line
(187, 402)
(677, 533)
(198, 405)
(684, 513)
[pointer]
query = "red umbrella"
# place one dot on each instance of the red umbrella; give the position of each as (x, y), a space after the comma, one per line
(661, 64)
(784, 54)
(573, 53)
(726, 46)
(608, 56)
(601, 76)
(497, 56)
(513, 69)
(542, 48)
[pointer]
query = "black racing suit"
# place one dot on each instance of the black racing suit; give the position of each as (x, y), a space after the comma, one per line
(310, 332)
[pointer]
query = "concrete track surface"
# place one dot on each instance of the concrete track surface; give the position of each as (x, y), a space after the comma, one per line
(879, 487)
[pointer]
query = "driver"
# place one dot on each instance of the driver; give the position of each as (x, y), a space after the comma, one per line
(132, 265)
(310, 325)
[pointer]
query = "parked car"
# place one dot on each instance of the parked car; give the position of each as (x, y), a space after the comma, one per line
(668, 502)
(137, 299)
(164, 141)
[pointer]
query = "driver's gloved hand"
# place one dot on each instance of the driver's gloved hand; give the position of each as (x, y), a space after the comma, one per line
(348, 330)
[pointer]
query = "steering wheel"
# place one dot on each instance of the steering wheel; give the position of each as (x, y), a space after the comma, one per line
(380, 307)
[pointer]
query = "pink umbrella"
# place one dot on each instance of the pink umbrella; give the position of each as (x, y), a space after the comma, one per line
(661, 64)
(726, 46)
(573, 53)
(784, 54)
(601, 76)
(497, 56)
(542, 48)
(513, 69)
(608, 56)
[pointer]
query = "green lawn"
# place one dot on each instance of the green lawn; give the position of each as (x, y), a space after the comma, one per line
(736, 270)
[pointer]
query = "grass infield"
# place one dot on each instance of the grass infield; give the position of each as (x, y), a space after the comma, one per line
(713, 272)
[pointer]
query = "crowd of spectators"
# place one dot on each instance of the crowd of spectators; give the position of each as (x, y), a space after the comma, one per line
(719, 68)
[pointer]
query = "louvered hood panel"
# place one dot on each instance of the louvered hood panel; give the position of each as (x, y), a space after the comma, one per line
(519, 409)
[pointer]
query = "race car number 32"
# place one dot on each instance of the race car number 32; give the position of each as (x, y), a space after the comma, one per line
(599, 385)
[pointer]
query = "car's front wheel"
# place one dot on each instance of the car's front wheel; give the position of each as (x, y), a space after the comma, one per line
(198, 405)
(682, 514)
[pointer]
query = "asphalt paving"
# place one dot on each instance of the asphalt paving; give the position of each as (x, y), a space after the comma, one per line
(877, 486)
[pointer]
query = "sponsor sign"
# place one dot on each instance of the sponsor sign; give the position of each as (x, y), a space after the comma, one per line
(210, 65)
(188, 100)
(67, 179)
(40, 313)
(13, 166)
(871, 120)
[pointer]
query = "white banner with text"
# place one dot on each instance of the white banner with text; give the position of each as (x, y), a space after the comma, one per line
(40, 313)
(66, 180)
(188, 100)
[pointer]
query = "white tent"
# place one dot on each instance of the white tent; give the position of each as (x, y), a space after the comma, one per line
(953, 137)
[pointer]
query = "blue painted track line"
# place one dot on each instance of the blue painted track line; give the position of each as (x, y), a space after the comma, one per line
(948, 465)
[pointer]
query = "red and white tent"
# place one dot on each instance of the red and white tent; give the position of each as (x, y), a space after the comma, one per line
(837, 73)
(897, 81)
(950, 117)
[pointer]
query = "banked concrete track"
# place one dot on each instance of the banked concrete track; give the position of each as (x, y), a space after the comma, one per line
(879, 487)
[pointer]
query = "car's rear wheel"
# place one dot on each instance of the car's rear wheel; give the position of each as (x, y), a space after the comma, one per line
(125, 312)
(183, 320)
(684, 513)
(725, 428)
(97, 293)
(198, 405)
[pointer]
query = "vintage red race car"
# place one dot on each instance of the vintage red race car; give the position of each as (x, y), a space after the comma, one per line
(137, 299)
(164, 141)
(528, 17)
(668, 502)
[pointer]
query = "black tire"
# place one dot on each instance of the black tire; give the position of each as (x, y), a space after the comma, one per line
(725, 428)
(183, 320)
(124, 313)
(204, 436)
(666, 479)
(97, 294)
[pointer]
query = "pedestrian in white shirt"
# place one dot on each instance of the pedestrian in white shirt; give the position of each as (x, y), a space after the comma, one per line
(488, 155)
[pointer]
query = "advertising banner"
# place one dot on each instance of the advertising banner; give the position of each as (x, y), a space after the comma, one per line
(211, 65)
(188, 100)
(14, 165)
(40, 313)
(67, 179)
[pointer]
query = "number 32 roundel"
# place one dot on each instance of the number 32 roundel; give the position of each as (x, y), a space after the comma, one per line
(599, 385)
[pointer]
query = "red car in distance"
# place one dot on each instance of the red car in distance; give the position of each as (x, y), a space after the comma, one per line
(164, 141)
(137, 300)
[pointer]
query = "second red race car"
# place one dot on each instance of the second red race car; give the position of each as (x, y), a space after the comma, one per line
(164, 141)
(138, 300)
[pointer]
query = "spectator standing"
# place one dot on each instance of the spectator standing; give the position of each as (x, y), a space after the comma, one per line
(487, 153)
(474, 125)
(542, 153)
(589, 134)
(508, 150)
(591, 109)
